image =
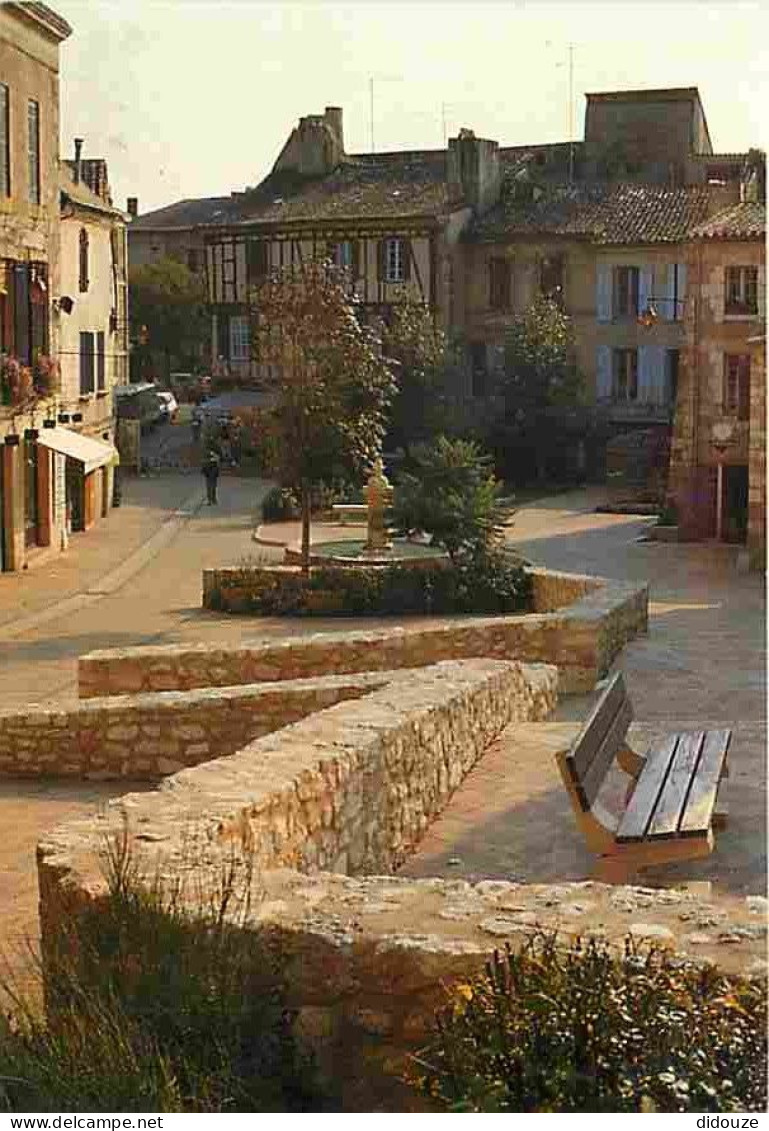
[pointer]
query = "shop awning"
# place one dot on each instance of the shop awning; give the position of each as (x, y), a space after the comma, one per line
(91, 453)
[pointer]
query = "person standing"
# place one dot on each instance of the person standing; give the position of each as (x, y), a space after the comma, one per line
(210, 471)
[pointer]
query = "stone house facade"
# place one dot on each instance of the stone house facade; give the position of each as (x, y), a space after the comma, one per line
(53, 446)
(93, 337)
(718, 457)
(30, 37)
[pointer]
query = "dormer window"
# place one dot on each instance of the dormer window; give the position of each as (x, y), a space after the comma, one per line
(83, 280)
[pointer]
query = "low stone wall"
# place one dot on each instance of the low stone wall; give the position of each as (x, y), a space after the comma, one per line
(581, 638)
(147, 736)
(365, 960)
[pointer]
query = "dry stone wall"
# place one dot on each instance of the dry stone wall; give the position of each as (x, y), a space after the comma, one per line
(320, 804)
(148, 736)
(581, 638)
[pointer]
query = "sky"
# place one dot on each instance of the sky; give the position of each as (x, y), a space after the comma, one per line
(189, 98)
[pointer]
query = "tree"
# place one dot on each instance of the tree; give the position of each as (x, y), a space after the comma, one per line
(540, 367)
(168, 314)
(451, 493)
(541, 376)
(331, 386)
(423, 362)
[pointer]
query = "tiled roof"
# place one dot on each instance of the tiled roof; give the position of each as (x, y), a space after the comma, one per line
(738, 222)
(363, 186)
(187, 213)
(604, 214)
(80, 193)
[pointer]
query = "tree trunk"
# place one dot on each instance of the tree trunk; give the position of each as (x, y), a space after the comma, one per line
(306, 499)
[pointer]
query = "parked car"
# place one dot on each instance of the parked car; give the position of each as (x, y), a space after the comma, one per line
(168, 405)
(139, 402)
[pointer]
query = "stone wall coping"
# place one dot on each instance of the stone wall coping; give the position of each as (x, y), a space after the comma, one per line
(36, 715)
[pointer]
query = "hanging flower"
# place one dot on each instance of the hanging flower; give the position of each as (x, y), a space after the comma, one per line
(47, 376)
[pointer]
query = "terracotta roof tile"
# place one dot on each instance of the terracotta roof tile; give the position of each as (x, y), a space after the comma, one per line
(604, 214)
(745, 221)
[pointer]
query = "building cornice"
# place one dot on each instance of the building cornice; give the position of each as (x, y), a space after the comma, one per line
(45, 19)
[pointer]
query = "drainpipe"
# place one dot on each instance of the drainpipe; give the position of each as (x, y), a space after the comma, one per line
(696, 381)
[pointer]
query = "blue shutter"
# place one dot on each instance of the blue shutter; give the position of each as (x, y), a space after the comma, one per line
(651, 375)
(679, 311)
(645, 287)
(603, 381)
(603, 293)
(668, 308)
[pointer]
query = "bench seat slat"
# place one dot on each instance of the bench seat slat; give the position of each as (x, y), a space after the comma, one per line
(672, 800)
(702, 797)
(640, 808)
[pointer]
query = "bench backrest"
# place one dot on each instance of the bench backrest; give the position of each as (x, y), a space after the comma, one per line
(590, 756)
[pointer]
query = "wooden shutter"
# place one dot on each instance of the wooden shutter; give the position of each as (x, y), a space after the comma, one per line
(406, 253)
(381, 254)
(355, 244)
(100, 361)
(21, 312)
(257, 260)
(603, 293)
(603, 373)
(679, 310)
(86, 363)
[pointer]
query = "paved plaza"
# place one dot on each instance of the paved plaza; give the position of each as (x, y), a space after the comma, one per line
(137, 580)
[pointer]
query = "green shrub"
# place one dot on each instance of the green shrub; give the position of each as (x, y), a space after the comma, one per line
(449, 491)
(157, 1001)
(490, 583)
(280, 505)
(581, 1029)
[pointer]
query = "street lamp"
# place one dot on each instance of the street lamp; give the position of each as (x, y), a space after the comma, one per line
(721, 436)
(649, 316)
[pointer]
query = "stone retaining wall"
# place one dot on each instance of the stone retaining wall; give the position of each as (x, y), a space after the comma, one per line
(366, 959)
(582, 639)
(146, 736)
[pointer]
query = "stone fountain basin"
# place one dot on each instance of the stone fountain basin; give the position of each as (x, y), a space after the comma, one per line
(352, 552)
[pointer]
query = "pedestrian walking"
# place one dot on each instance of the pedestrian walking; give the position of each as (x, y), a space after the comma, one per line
(210, 471)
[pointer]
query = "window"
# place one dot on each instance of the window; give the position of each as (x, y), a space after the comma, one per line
(625, 376)
(499, 284)
(86, 363)
(396, 261)
(345, 255)
(551, 278)
(737, 385)
(672, 359)
(5, 141)
(33, 147)
(83, 279)
(626, 292)
(100, 362)
(240, 338)
(257, 260)
(742, 290)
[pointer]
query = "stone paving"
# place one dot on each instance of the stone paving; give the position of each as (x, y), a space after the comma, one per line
(702, 661)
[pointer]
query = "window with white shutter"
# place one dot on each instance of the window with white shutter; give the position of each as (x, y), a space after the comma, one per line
(603, 293)
(603, 373)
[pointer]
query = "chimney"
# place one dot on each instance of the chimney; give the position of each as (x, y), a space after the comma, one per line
(78, 151)
(473, 171)
(333, 118)
(132, 206)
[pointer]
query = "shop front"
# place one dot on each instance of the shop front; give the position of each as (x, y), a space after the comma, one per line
(85, 477)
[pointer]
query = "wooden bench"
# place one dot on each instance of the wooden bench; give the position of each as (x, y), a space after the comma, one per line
(671, 806)
(350, 512)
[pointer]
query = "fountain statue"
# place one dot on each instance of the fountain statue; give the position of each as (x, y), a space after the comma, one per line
(379, 496)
